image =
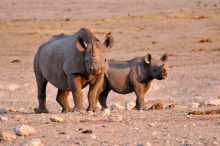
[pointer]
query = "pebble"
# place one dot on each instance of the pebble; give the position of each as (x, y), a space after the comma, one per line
(215, 143)
(24, 130)
(12, 109)
(210, 102)
(6, 136)
(129, 105)
(3, 110)
(33, 142)
(56, 119)
(93, 136)
(116, 106)
(148, 144)
(12, 87)
(194, 105)
(106, 112)
(117, 118)
(3, 118)
(151, 124)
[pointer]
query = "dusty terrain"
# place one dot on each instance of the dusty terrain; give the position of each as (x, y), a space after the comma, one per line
(189, 31)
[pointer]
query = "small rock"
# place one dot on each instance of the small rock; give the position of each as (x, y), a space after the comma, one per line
(116, 106)
(67, 136)
(2, 118)
(215, 143)
(93, 136)
(151, 124)
(87, 131)
(154, 133)
(12, 109)
(117, 118)
(194, 105)
(15, 61)
(130, 105)
(210, 102)
(12, 87)
(33, 142)
(78, 142)
(24, 130)
(197, 98)
(6, 136)
(56, 119)
(106, 112)
(3, 111)
(156, 106)
(148, 144)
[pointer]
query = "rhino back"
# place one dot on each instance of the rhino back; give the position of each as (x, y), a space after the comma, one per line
(58, 59)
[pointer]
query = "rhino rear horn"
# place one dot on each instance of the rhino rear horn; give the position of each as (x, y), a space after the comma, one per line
(109, 40)
(147, 58)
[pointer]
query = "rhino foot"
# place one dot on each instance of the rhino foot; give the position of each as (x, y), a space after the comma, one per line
(65, 110)
(143, 107)
(41, 110)
(78, 109)
(103, 108)
(93, 109)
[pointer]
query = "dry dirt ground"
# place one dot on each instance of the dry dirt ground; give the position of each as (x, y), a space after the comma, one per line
(189, 31)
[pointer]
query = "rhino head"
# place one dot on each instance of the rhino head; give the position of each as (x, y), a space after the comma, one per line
(157, 68)
(95, 59)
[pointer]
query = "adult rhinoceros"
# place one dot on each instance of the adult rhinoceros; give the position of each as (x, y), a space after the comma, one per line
(70, 62)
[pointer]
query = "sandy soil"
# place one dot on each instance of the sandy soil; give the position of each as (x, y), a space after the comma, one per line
(139, 27)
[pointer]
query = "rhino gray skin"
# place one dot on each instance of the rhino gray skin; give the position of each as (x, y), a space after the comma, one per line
(134, 75)
(70, 62)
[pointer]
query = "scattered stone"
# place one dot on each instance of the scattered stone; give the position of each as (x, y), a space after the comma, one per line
(15, 61)
(151, 124)
(6, 136)
(12, 87)
(106, 112)
(56, 119)
(78, 142)
(24, 130)
(116, 106)
(3, 111)
(194, 105)
(67, 136)
(12, 109)
(203, 17)
(3, 118)
(117, 118)
(156, 106)
(148, 144)
(33, 142)
(67, 19)
(93, 136)
(206, 40)
(130, 105)
(215, 143)
(197, 98)
(207, 112)
(210, 102)
(171, 106)
(154, 133)
(87, 131)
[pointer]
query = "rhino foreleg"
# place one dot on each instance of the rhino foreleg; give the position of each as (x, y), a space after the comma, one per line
(140, 103)
(61, 98)
(93, 90)
(76, 88)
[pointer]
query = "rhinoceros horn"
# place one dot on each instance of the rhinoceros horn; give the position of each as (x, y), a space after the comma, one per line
(86, 35)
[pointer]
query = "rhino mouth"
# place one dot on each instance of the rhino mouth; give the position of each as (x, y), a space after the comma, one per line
(95, 71)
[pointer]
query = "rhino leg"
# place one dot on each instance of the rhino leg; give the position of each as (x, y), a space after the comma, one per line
(103, 97)
(75, 85)
(61, 98)
(93, 90)
(140, 103)
(41, 88)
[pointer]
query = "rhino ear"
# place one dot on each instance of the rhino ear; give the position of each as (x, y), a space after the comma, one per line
(81, 45)
(109, 40)
(164, 58)
(147, 58)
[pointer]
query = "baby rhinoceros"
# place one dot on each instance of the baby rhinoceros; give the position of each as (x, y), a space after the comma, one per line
(134, 75)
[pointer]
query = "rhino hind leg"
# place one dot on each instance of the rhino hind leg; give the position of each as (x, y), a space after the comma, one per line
(41, 87)
(62, 99)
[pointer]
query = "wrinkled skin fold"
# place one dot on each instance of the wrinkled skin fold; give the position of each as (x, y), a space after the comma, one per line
(70, 62)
